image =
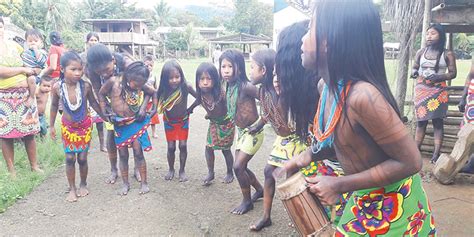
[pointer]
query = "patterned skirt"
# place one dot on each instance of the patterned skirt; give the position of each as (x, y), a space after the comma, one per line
(221, 132)
(431, 100)
(16, 119)
(76, 136)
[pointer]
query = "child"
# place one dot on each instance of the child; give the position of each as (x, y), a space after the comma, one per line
(173, 99)
(35, 57)
(148, 60)
(241, 107)
(220, 134)
(76, 123)
(127, 94)
(42, 96)
(358, 122)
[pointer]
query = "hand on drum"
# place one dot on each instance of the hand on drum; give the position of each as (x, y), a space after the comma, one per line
(323, 188)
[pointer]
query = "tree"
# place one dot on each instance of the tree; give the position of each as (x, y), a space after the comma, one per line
(163, 13)
(189, 36)
(252, 17)
(58, 15)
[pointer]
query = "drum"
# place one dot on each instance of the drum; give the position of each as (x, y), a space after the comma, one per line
(304, 209)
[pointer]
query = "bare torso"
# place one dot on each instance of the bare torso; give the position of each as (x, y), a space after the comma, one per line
(41, 100)
(246, 113)
(219, 109)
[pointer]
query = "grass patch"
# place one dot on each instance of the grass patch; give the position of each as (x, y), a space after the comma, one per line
(50, 157)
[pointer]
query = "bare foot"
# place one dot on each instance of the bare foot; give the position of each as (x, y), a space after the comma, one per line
(112, 178)
(137, 176)
(434, 159)
(83, 191)
(261, 224)
(243, 208)
(228, 178)
(72, 196)
(257, 195)
(103, 149)
(169, 175)
(124, 190)
(144, 189)
(208, 179)
(182, 177)
(37, 170)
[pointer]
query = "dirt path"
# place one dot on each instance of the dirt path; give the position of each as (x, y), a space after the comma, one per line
(185, 209)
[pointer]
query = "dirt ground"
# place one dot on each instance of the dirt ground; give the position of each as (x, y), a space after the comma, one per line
(188, 209)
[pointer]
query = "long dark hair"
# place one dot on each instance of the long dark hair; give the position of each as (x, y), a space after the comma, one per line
(297, 84)
(214, 75)
(98, 56)
(266, 58)
(164, 86)
(66, 58)
(92, 34)
(440, 45)
(353, 32)
(236, 58)
(55, 38)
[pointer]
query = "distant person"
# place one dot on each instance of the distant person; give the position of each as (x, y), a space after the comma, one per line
(42, 97)
(431, 96)
(216, 55)
(54, 55)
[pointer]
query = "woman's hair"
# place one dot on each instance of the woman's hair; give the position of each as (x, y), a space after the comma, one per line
(164, 86)
(136, 71)
(90, 35)
(440, 45)
(214, 75)
(353, 33)
(33, 32)
(236, 58)
(98, 56)
(55, 38)
(266, 58)
(298, 86)
(66, 58)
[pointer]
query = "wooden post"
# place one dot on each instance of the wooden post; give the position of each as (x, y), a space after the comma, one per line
(426, 22)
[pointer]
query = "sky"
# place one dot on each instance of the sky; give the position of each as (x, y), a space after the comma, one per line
(183, 3)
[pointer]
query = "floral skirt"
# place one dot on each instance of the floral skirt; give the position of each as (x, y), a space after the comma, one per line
(16, 119)
(431, 100)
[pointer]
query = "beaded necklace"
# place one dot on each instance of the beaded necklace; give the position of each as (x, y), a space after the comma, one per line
(325, 135)
(232, 95)
(211, 105)
(168, 103)
(133, 99)
(78, 110)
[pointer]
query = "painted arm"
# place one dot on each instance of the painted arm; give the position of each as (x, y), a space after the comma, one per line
(103, 92)
(53, 110)
(251, 91)
(93, 102)
(416, 64)
(452, 71)
(196, 101)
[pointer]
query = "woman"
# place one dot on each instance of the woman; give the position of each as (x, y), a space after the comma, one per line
(431, 97)
(54, 54)
(16, 119)
(91, 39)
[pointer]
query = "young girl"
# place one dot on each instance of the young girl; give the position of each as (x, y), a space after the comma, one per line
(76, 123)
(127, 94)
(220, 134)
(241, 107)
(152, 82)
(172, 102)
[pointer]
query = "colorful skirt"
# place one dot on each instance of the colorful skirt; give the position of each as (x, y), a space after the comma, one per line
(249, 143)
(128, 131)
(76, 136)
(16, 119)
(284, 148)
(221, 132)
(431, 100)
(176, 129)
(469, 110)
(398, 209)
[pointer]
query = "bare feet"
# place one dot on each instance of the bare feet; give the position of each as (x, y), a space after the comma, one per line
(103, 149)
(112, 178)
(124, 190)
(434, 158)
(208, 179)
(257, 195)
(137, 176)
(72, 196)
(243, 208)
(37, 170)
(144, 188)
(83, 191)
(261, 224)
(182, 176)
(228, 178)
(169, 175)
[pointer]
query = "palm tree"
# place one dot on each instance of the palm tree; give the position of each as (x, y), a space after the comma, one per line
(57, 15)
(162, 11)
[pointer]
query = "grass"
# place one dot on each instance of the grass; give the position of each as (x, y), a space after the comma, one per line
(50, 157)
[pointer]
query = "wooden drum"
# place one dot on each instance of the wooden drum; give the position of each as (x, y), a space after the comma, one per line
(304, 209)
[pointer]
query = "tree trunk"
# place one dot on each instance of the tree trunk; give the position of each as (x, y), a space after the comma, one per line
(402, 73)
